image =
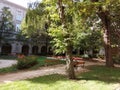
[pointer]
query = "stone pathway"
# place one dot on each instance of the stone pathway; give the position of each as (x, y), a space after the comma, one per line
(7, 63)
(56, 69)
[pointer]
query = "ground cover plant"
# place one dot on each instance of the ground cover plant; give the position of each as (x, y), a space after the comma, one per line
(6, 57)
(29, 63)
(98, 78)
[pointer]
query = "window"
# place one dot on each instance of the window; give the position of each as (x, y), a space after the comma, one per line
(19, 16)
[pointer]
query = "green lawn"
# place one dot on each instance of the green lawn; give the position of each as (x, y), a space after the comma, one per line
(8, 69)
(41, 62)
(98, 78)
(6, 57)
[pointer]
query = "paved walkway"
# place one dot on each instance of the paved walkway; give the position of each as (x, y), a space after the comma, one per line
(7, 63)
(56, 69)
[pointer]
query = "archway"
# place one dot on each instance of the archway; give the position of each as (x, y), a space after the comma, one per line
(35, 50)
(50, 52)
(25, 49)
(43, 50)
(6, 49)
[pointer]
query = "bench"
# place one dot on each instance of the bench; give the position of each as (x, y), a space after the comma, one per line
(79, 63)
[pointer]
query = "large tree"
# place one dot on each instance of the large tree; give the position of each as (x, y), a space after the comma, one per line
(106, 11)
(63, 24)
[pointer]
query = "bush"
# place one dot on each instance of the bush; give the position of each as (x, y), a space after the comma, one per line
(27, 62)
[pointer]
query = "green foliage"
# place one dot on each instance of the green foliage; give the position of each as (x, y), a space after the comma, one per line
(6, 24)
(8, 69)
(92, 40)
(58, 40)
(6, 20)
(23, 64)
(6, 57)
(35, 24)
(27, 62)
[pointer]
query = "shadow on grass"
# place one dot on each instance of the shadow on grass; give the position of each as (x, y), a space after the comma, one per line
(101, 73)
(49, 79)
(96, 73)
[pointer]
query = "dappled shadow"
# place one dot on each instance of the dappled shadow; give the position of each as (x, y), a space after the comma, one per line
(101, 73)
(96, 73)
(48, 79)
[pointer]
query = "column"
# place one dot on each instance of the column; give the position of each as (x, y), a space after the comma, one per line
(13, 50)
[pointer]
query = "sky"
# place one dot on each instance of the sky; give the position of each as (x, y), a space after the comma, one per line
(22, 2)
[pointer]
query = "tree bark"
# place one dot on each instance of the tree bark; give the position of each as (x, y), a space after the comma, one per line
(104, 16)
(70, 64)
(107, 43)
(69, 47)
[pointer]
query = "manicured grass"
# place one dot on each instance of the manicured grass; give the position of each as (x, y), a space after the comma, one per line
(102, 73)
(41, 62)
(8, 69)
(99, 78)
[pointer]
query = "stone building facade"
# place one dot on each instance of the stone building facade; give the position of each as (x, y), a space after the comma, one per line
(13, 46)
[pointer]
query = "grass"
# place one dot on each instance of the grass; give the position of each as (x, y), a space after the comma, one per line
(8, 69)
(98, 78)
(41, 62)
(102, 73)
(6, 57)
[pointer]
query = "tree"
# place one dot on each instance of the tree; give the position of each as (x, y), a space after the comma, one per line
(105, 14)
(62, 25)
(65, 29)
(6, 23)
(105, 10)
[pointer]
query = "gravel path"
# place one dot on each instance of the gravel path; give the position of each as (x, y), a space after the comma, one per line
(60, 69)
(7, 63)
(56, 69)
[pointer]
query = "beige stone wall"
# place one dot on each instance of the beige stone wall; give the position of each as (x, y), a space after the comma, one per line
(17, 11)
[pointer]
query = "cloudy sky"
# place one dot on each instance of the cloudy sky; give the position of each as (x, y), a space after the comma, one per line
(22, 2)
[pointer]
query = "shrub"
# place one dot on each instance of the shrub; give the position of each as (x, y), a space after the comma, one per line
(27, 62)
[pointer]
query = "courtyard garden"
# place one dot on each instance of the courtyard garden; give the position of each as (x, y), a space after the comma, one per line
(97, 78)
(31, 63)
(82, 38)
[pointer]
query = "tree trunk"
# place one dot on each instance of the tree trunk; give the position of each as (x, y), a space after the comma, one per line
(70, 64)
(107, 44)
(69, 47)
(104, 16)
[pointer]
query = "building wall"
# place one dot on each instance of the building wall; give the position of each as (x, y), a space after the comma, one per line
(19, 13)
